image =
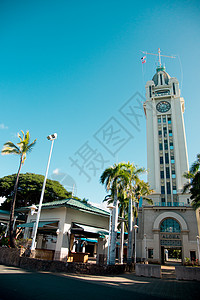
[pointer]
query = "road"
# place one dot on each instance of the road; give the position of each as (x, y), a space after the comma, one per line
(21, 284)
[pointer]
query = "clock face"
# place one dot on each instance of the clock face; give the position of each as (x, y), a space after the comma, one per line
(163, 106)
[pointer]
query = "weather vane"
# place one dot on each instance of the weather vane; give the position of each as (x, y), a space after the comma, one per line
(159, 56)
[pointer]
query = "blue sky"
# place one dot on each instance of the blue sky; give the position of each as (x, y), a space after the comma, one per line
(71, 66)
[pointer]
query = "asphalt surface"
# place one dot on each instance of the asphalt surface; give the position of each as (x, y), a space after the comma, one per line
(21, 284)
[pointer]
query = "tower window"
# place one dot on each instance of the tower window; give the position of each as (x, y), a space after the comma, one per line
(161, 160)
(174, 90)
(150, 93)
(171, 146)
(166, 158)
(173, 174)
(161, 79)
(164, 119)
(166, 146)
(170, 132)
(161, 174)
(168, 188)
(172, 159)
(160, 146)
(159, 132)
(159, 120)
(162, 189)
(169, 120)
(167, 173)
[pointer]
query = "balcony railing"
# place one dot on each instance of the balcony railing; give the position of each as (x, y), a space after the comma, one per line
(170, 204)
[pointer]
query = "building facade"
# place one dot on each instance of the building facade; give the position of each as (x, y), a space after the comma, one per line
(170, 223)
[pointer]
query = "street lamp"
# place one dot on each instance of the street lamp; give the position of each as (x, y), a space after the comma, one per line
(198, 237)
(51, 138)
(135, 228)
(145, 246)
(110, 207)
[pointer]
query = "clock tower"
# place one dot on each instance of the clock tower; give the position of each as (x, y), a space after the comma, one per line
(170, 225)
(167, 158)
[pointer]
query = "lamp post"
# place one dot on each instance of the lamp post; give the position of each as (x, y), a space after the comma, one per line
(198, 248)
(145, 246)
(51, 138)
(135, 228)
(110, 207)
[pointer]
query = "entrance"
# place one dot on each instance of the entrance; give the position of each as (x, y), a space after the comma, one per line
(171, 255)
(170, 242)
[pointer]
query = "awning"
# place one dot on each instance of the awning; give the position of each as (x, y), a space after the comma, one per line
(89, 240)
(41, 224)
(90, 229)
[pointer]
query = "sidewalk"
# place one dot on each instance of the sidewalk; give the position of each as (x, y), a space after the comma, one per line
(16, 283)
(166, 288)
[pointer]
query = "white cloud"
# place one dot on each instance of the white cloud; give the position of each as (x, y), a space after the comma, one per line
(56, 171)
(3, 126)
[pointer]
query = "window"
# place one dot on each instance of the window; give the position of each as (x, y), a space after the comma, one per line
(166, 146)
(171, 146)
(161, 160)
(170, 132)
(150, 253)
(174, 90)
(159, 120)
(160, 146)
(159, 132)
(161, 80)
(169, 120)
(167, 173)
(165, 131)
(166, 158)
(162, 174)
(162, 199)
(162, 189)
(168, 188)
(164, 119)
(150, 94)
(170, 225)
(172, 159)
(192, 255)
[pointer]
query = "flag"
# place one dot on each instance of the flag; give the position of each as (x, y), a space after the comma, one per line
(143, 60)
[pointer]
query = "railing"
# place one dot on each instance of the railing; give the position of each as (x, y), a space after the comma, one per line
(170, 204)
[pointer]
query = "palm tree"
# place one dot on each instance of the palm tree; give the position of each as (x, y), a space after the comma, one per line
(194, 183)
(112, 178)
(22, 148)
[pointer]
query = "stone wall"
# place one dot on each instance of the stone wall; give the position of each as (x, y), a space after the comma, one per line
(187, 273)
(148, 270)
(13, 257)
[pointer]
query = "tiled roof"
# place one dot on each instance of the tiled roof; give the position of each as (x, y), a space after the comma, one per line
(72, 203)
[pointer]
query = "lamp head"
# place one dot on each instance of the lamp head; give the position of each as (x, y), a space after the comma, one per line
(33, 209)
(52, 137)
(135, 227)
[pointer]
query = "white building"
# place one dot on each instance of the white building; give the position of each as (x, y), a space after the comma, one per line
(170, 223)
(67, 226)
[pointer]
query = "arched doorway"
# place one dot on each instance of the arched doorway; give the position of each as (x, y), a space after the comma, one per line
(170, 241)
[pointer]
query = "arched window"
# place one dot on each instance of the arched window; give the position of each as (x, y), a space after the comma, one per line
(170, 225)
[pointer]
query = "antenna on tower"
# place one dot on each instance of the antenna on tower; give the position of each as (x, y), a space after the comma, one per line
(159, 56)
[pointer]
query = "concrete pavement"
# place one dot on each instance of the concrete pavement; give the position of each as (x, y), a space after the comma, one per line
(21, 284)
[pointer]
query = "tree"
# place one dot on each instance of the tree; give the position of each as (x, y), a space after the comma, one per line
(29, 190)
(112, 178)
(193, 186)
(22, 149)
(135, 189)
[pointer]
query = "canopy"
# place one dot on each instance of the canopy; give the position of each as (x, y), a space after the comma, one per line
(90, 229)
(41, 224)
